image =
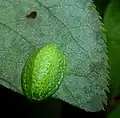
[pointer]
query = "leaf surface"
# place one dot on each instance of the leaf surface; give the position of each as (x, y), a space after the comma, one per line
(75, 27)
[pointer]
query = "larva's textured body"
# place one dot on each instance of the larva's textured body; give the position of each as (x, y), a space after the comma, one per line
(43, 72)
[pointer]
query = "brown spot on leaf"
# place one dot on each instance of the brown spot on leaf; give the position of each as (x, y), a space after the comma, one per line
(32, 15)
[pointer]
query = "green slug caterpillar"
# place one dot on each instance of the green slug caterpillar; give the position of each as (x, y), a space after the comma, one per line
(43, 72)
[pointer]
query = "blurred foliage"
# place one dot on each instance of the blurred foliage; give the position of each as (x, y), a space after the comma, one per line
(101, 6)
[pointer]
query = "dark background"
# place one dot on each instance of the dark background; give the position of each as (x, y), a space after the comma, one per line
(13, 104)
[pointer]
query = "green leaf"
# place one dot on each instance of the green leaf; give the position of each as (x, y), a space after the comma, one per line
(75, 27)
(112, 24)
(115, 113)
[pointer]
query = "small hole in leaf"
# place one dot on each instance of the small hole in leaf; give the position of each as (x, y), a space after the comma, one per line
(32, 15)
